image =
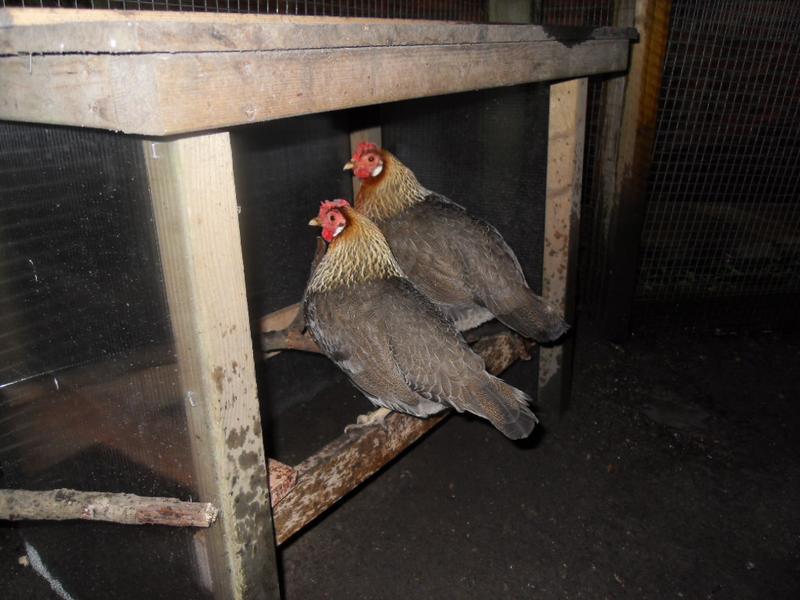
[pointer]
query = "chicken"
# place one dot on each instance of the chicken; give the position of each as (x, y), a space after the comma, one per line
(393, 343)
(459, 261)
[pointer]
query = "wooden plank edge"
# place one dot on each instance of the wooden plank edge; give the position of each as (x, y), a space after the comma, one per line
(566, 134)
(41, 31)
(171, 94)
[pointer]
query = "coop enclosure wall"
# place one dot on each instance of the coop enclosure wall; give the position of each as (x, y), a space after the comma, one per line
(719, 242)
(487, 150)
(90, 394)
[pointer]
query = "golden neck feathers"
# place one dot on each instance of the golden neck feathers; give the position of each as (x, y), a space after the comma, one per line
(360, 253)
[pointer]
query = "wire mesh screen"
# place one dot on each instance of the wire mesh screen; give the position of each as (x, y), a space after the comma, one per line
(593, 13)
(723, 217)
(585, 12)
(89, 392)
(451, 10)
(596, 13)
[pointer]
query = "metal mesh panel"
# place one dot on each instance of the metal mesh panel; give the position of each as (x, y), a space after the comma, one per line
(723, 217)
(90, 397)
(594, 13)
(460, 10)
(584, 12)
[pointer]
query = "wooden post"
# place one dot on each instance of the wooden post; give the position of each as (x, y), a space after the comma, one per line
(194, 199)
(627, 134)
(566, 130)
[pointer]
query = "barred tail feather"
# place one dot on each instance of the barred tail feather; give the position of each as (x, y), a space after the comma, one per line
(536, 319)
(506, 407)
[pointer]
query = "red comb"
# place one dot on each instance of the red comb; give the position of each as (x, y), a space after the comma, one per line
(338, 203)
(363, 148)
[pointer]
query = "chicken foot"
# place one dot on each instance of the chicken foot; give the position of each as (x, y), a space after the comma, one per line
(371, 419)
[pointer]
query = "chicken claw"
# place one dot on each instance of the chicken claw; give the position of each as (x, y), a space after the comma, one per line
(372, 419)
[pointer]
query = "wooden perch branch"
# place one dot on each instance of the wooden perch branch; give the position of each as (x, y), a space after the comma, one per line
(285, 329)
(322, 479)
(281, 480)
(273, 342)
(127, 509)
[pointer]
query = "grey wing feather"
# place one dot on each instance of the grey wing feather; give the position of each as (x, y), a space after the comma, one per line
(438, 364)
(464, 264)
(350, 331)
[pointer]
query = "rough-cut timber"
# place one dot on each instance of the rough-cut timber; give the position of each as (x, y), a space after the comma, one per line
(342, 465)
(197, 224)
(127, 509)
(566, 132)
(63, 31)
(282, 479)
(198, 74)
(628, 126)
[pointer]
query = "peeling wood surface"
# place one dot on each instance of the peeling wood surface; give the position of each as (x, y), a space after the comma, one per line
(566, 133)
(342, 465)
(195, 208)
(126, 509)
(74, 31)
(625, 166)
(162, 94)
(282, 479)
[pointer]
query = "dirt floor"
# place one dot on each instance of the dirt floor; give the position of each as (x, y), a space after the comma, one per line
(676, 474)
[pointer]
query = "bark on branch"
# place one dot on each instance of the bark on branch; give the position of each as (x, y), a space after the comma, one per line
(294, 336)
(127, 509)
(342, 465)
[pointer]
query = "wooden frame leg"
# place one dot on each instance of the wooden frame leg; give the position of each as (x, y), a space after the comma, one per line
(628, 127)
(194, 199)
(566, 131)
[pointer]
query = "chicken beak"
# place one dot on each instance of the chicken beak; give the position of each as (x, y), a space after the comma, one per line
(315, 222)
(348, 166)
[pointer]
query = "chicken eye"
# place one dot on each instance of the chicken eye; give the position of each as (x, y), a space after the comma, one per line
(371, 159)
(331, 218)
